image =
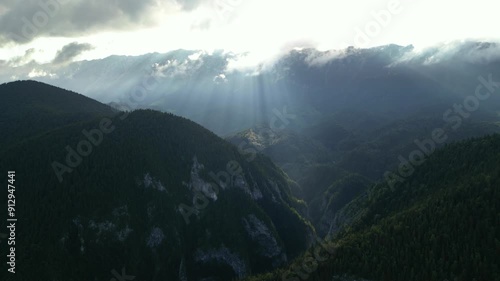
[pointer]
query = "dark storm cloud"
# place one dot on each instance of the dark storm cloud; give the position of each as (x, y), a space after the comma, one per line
(70, 51)
(23, 21)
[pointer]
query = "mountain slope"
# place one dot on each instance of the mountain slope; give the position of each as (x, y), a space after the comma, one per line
(29, 107)
(442, 223)
(153, 193)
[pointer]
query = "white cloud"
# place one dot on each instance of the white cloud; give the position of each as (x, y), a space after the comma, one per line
(195, 56)
(40, 73)
(261, 27)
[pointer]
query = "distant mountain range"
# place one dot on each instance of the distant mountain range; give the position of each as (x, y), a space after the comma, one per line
(214, 89)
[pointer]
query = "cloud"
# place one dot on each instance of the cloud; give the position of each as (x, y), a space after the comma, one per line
(466, 51)
(316, 58)
(21, 60)
(23, 21)
(204, 24)
(70, 51)
(189, 5)
(36, 73)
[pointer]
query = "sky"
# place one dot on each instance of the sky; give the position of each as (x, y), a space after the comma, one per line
(62, 31)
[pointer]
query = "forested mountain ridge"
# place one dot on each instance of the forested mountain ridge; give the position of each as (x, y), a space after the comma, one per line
(154, 193)
(328, 153)
(442, 223)
(28, 108)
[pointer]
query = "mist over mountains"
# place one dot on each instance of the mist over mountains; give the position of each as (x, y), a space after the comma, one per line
(197, 84)
(377, 163)
(233, 140)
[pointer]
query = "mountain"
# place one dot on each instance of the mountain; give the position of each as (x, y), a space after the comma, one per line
(385, 83)
(440, 224)
(151, 193)
(328, 210)
(363, 112)
(291, 151)
(123, 186)
(330, 152)
(30, 108)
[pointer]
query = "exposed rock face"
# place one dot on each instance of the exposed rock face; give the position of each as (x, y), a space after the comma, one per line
(276, 195)
(240, 182)
(256, 192)
(155, 238)
(122, 234)
(110, 228)
(102, 227)
(80, 228)
(182, 270)
(260, 233)
(225, 256)
(150, 182)
(120, 211)
(197, 184)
